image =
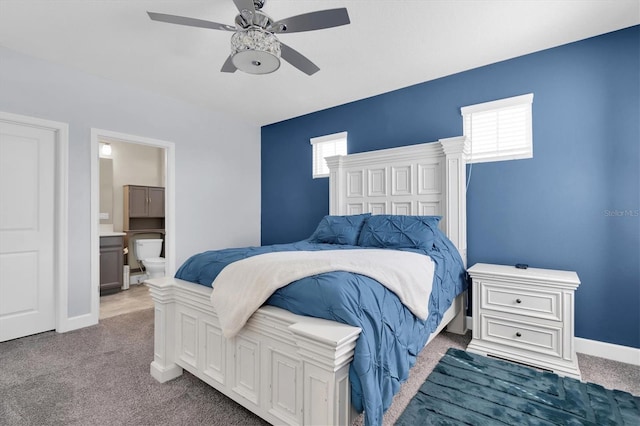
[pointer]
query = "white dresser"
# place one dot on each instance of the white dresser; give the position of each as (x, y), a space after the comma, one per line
(525, 315)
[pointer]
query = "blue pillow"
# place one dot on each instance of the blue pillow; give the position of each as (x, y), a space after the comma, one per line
(396, 231)
(339, 229)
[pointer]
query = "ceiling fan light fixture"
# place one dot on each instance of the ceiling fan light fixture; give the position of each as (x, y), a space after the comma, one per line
(254, 46)
(255, 51)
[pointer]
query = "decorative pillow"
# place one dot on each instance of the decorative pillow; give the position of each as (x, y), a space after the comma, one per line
(396, 231)
(339, 229)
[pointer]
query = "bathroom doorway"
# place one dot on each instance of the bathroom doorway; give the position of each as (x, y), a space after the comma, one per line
(120, 162)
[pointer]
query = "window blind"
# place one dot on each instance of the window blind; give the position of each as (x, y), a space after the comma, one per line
(499, 130)
(327, 146)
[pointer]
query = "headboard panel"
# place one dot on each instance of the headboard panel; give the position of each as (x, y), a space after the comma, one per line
(426, 179)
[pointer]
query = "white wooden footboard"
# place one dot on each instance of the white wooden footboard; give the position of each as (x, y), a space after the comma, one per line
(286, 368)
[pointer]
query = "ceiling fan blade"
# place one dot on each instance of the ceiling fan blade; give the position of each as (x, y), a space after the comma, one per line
(298, 60)
(228, 66)
(190, 22)
(245, 5)
(312, 21)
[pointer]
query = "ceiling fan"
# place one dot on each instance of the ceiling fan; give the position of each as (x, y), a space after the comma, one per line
(255, 49)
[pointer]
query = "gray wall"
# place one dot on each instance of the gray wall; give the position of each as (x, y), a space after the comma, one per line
(217, 156)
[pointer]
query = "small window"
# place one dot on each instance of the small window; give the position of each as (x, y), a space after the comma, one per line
(499, 130)
(327, 146)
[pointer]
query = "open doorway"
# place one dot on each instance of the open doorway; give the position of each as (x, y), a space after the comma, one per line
(132, 199)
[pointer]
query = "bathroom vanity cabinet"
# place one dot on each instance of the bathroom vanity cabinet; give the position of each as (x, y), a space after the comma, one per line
(111, 263)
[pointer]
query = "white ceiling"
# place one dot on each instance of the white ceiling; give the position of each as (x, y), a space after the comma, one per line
(389, 44)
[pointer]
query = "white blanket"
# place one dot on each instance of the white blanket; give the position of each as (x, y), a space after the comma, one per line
(243, 286)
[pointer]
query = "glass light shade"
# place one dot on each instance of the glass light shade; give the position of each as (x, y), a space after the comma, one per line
(105, 149)
(255, 51)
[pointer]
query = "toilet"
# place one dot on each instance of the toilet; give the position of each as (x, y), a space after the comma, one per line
(148, 252)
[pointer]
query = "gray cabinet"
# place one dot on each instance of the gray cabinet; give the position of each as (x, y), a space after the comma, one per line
(143, 214)
(144, 201)
(155, 207)
(138, 200)
(143, 208)
(111, 264)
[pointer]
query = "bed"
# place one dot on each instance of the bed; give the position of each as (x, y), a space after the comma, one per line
(295, 369)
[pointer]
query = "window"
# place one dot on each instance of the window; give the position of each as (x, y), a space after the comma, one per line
(327, 146)
(499, 130)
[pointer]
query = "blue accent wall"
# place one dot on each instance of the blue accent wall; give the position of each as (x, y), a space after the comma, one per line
(573, 206)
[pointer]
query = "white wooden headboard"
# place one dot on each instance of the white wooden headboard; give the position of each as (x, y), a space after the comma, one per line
(427, 179)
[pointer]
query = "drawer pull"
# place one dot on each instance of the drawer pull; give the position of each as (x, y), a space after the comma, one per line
(518, 334)
(518, 301)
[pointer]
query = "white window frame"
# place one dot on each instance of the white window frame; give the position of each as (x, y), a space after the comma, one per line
(326, 146)
(504, 129)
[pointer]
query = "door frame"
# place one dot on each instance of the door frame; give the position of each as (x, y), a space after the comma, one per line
(100, 135)
(61, 210)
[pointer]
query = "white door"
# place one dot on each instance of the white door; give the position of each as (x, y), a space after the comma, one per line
(27, 186)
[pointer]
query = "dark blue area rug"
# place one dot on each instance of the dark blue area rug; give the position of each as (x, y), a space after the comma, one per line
(466, 388)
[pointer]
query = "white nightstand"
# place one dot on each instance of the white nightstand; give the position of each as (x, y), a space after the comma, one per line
(525, 315)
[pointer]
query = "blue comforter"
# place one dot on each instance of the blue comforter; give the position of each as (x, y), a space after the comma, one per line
(391, 335)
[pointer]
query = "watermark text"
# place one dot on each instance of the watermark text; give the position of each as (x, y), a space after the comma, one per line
(622, 213)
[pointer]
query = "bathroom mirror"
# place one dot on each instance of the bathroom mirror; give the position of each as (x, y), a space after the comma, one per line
(106, 191)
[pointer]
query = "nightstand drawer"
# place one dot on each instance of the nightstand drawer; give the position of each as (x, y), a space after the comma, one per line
(533, 337)
(520, 301)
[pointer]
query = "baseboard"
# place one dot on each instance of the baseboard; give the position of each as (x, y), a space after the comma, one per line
(619, 353)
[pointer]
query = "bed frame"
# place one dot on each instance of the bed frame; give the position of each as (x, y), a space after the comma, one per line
(291, 369)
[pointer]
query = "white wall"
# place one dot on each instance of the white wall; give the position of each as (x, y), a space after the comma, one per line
(217, 156)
